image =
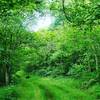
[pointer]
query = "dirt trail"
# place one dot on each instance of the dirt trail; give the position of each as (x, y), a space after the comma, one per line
(48, 94)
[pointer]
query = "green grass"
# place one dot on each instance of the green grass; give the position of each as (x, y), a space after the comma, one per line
(37, 88)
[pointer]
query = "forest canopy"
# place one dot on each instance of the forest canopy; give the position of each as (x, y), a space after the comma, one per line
(49, 38)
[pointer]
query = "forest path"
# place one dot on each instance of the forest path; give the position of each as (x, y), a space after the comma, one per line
(58, 89)
(36, 88)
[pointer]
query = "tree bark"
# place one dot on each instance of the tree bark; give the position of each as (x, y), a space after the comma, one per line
(6, 75)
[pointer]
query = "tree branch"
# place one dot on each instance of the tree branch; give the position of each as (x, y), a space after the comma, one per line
(64, 10)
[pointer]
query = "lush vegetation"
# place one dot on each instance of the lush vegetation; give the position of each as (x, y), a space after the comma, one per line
(61, 62)
(49, 89)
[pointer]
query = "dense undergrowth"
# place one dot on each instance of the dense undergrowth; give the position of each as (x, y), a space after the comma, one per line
(47, 88)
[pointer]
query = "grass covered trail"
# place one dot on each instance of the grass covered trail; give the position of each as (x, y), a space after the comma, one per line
(36, 88)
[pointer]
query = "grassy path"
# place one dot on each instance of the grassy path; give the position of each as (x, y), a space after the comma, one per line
(37, 88)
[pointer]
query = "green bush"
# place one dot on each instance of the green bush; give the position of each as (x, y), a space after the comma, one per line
(18, 76)
(76, 69)
(8, 93)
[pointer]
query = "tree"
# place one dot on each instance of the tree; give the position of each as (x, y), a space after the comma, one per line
(85, 16)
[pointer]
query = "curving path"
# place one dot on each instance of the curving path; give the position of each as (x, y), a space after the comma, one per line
(37, 88)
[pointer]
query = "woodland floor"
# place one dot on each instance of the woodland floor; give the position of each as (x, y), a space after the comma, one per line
(36, 88)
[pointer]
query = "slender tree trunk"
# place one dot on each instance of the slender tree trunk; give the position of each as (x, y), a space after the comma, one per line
(6, 75)
(96, 62)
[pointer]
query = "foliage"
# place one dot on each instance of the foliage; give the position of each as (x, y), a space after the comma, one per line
(69, 48)
(48, 88)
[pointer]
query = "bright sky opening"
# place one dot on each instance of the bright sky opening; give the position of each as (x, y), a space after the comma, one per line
(42, 22)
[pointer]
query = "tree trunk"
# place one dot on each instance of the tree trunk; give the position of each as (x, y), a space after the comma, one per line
(96, 62)
(6, 75)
